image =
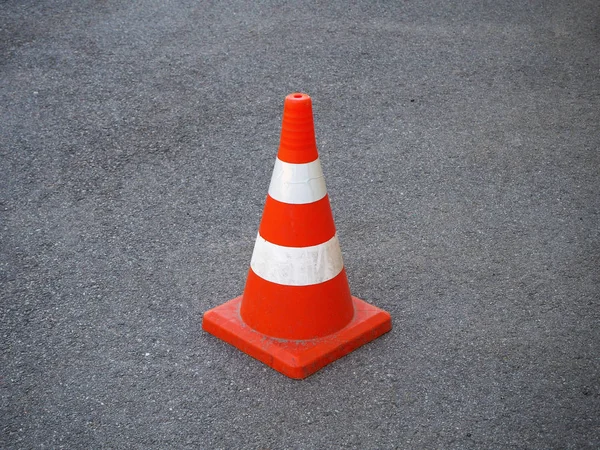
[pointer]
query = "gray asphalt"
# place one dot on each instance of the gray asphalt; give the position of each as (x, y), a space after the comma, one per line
(460, 146)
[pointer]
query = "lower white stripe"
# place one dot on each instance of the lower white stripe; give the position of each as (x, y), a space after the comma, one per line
(297, 183)
(297, 266)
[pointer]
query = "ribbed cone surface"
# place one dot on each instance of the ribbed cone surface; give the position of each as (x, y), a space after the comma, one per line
(297, 144)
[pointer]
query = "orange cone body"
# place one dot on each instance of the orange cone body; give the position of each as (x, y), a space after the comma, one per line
(296, 313)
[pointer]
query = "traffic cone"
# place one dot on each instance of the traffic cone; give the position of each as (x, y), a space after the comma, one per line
(296, 313)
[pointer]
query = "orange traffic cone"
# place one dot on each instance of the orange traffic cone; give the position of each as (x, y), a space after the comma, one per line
(296, 313)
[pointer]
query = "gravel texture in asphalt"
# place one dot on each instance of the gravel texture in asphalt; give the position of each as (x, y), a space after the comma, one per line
(460, 146)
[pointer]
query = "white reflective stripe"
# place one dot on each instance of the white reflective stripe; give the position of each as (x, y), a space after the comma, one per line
(297, 183)
(297, 266)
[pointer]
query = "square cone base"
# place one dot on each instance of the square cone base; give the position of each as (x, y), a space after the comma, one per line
(296, 359)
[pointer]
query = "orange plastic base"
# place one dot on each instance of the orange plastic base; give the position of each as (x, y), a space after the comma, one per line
(296, 359)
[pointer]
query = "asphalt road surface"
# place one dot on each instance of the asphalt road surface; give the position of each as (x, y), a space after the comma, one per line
(460, 144)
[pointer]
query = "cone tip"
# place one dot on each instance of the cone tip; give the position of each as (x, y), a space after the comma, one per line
(297, 144)
(297, 97)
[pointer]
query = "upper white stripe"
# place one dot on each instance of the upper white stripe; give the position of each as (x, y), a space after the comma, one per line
(297, 183)
(297, 266)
